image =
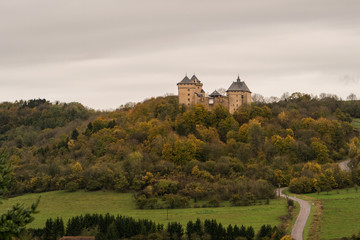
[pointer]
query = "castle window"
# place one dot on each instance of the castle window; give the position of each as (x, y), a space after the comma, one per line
(188, 90)
(189, 99)
(188, 94)
(211, 101)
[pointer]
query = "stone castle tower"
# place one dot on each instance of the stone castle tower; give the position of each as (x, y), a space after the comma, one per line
(191, 92)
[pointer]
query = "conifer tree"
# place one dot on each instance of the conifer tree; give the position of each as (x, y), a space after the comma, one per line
(14, 221)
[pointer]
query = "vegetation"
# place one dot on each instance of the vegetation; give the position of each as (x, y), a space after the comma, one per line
(66, 205)
(356, 123)
(335, 213)
(110, 227)
(171, 155)
(14, 220)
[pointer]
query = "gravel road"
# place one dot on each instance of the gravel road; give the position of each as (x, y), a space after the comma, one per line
(299, 225)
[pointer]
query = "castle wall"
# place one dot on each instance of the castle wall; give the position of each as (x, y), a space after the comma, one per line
(187, 94)
(237, 99)
(205, 101)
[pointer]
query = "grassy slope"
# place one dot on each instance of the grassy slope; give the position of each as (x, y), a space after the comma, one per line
(356, 123)
(66, 204)
(341, 214)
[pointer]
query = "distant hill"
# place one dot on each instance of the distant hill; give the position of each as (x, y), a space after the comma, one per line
(165, 151)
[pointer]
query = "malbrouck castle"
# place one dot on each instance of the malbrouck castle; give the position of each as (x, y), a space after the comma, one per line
(191, 92)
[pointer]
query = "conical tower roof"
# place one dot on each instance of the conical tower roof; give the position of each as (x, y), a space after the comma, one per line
(185, 80)
(238, 86)
(195, 79)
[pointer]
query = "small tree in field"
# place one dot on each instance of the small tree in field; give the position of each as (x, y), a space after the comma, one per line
(13, 221)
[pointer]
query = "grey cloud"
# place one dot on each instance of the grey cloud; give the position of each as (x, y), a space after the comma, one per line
(105, 53)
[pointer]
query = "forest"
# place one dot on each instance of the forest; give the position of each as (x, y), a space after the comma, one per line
(170, 155)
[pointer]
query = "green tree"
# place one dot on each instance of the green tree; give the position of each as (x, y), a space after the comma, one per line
(14, 221)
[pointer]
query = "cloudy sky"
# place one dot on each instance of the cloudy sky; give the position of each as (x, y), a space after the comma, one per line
(106, 53)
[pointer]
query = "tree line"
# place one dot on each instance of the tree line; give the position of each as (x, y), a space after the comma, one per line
(109, 227)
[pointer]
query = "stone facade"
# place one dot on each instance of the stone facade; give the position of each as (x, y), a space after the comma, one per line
(191, 92)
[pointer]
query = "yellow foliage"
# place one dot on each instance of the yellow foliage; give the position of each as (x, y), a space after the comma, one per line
(313, 167)
(77, 168)
(307, 122)
(195, 171)
(148, 178)
(283, 118)
(243, 132)
(201, 174)
(287, 237)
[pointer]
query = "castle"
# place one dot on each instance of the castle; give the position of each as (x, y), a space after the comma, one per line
(191, 92)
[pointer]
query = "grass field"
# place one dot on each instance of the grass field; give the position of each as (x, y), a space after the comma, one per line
(65, 205)
(341, 214)
(356, 123)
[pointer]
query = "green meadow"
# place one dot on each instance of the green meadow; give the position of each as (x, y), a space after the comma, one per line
(64, 204)
(341, 212)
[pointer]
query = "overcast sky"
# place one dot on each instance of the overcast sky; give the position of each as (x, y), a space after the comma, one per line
(106, 53)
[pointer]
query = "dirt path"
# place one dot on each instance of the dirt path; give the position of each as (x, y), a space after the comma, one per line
(344, 165)
(299, 225)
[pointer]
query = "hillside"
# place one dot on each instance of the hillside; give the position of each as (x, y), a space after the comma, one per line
(169, 154)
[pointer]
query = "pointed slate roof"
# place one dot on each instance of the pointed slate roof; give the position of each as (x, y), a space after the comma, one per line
(215, 94)
(195, 79)
(238, 86)
(202, 91)
(185, 80)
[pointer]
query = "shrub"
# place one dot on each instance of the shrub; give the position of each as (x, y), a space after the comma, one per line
(242, 199)
(214, 203)
(302, 185)
(165, 186)
(176, 201)
(290, 202)
(71, 186)
(93, 185)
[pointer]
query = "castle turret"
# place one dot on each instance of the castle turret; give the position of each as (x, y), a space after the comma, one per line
(189, 90)
(239, 94)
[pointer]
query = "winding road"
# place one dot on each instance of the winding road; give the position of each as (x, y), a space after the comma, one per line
(299, 225)
(305, 207)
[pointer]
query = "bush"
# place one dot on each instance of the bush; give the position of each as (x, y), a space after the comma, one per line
(302, 185)
(290, 202)
(93, 185)
(176, 201)
(72, 186)
(146, 203)
(242, 199)
(214, 203)
(164, 186)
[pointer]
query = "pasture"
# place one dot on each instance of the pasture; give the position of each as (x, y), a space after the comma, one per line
(64, 204)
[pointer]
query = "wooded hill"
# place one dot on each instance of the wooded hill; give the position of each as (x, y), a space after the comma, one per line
(170, 154)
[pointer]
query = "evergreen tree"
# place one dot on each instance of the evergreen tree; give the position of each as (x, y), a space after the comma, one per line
(250, 233)
(74, 134)
(14, 221)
